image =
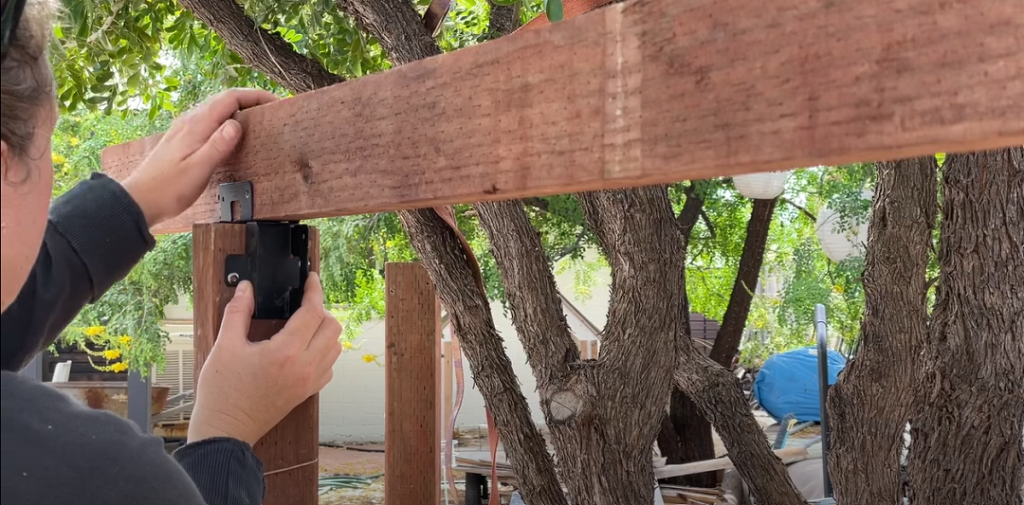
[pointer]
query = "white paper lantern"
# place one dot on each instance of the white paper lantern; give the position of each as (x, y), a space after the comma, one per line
(836, 242)
(761, 186)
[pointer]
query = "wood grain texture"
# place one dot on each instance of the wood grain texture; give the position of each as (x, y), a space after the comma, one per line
(412, 364)
(295, 440)
(636, 93)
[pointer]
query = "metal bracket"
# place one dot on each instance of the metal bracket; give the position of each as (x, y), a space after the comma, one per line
(232, 192)
(276, 259)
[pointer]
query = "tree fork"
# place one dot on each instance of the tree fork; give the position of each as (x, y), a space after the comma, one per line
(656, 275)
(870, 405)
(966, 442)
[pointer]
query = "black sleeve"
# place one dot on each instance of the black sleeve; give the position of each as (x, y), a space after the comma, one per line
(95, 236)
(56, 450)
(225, 470)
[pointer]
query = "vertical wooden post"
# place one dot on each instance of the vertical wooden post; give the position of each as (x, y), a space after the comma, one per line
(448, 387)
(294, 443)
(412, 445)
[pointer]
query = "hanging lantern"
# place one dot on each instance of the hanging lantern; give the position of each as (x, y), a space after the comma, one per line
(839, 240)
(761, 186)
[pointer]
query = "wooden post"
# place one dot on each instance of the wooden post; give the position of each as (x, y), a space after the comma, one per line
(448, 387)
(412, 445)
(294, 443)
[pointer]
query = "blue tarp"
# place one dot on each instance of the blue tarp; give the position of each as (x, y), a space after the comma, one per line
(788, 383)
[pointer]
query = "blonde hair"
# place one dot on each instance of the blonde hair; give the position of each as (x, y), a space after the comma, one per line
(26, 78)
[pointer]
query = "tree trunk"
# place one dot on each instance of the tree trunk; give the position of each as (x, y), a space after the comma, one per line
(871, 404)
(727, 342)
(966, 442)
(691, 439)
(692, 432)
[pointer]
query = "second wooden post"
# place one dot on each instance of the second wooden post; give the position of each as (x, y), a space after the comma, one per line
(290, 451)
(412, 365)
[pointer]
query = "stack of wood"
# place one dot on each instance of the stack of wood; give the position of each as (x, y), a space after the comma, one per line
(683, 495)
(483, 467)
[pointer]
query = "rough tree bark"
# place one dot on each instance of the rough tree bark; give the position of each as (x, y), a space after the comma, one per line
(871, 404)
(966, 433)
(692, 435)
(504, 20)
(602, 414)
(727, 342)
(685, 435)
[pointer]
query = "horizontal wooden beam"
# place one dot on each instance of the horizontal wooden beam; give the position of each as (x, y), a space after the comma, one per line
(643, 92)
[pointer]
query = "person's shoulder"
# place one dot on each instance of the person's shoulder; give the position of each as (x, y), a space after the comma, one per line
(55, 450)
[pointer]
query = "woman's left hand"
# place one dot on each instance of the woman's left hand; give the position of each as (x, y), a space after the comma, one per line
(177, 171)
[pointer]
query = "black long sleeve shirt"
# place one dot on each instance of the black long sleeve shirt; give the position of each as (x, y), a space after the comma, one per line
(55, 451)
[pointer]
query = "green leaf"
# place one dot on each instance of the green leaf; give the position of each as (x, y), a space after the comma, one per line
(553, 9)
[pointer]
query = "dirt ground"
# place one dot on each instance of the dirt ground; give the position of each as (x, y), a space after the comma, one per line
(360, 463)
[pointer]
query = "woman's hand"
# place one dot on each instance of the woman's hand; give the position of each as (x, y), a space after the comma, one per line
(177, 171)
(246, 388)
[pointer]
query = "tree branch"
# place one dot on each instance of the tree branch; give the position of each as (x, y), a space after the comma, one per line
(266, 52)
(692, 210)
(717, 394)
(572, 248)
(397, 25)
(727, 342)
(532, 295)
(796, 206)
(537, 203)
(707, 222)
(876, 387)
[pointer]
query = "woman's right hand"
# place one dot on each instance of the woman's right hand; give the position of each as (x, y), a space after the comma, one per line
(246, 388)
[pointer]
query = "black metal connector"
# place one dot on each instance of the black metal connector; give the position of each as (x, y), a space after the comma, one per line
(276, 259)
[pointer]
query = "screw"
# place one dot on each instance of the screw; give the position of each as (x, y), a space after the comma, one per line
(233, 278)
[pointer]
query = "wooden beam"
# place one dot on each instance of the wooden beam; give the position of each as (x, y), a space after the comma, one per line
(643, 92)
(412, 362)
(294, 443)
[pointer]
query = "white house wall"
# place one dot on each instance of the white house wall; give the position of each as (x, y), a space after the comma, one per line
(352, 405)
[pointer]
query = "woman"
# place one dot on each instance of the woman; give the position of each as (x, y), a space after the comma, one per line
(55, 451)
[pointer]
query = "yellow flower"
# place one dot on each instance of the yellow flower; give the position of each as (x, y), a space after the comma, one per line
(112, 354)
(125, 340)
(58, 159)
(347, 345)
(74, 141)
(118, 367)
(369, 358)
(95, 331)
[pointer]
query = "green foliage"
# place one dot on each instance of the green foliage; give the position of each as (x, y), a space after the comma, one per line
(133, 307)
